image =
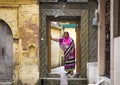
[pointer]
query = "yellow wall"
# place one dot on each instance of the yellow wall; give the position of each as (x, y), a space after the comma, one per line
(23, 19)
(55, 48)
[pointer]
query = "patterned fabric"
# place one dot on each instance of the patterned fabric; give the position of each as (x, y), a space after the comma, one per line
(68, 47)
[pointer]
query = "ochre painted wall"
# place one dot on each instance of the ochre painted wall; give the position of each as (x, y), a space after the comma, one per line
(56, 52)
(23, 18)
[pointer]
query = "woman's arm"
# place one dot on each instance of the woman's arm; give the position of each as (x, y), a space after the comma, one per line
(54, 39)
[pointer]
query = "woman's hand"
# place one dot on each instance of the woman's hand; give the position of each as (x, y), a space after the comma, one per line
(54, 39)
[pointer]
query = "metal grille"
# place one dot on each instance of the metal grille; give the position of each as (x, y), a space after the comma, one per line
(93, 33)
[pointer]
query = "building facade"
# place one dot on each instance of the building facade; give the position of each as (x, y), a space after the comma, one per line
(25, 41)
(109, 34)
(20, 55)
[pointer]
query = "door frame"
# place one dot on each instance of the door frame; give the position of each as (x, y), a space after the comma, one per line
(75, 19)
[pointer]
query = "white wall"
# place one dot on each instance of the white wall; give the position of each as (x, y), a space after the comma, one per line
(92, 72)
(117, 61)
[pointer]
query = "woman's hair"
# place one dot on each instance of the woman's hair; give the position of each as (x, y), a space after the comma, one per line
(66, 32)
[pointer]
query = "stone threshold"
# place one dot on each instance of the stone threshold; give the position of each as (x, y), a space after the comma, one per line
(50, 78)
(5, 83)
(77, 78)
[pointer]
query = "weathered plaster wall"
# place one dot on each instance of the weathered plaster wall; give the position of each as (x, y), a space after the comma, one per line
(9, 15)
(22, 17)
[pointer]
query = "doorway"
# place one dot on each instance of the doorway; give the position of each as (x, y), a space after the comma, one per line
(56, 27)
(6, 52)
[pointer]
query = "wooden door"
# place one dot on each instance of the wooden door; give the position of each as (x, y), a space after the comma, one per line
(6, 52)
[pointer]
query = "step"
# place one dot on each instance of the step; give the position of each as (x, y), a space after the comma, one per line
(5, 83)
(61, 79)
(56, 81)
(50, 75)
(77, 81)
(77, 75)
(49, 81)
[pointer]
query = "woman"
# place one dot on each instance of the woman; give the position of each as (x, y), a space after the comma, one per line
(68, 46)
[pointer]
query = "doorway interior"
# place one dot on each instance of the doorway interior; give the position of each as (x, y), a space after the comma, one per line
(56, 27)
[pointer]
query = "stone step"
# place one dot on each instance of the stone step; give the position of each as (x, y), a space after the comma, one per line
(5, 83)
(50, 75)
(77, 75)
(49, 81)
(56, 81)
(77, 81)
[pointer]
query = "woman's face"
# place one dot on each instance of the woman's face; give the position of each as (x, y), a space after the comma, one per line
(65, 34)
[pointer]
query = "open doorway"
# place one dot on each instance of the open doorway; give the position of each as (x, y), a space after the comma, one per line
(57, 26)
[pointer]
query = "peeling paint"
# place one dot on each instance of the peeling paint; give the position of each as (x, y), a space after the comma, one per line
(23, 19)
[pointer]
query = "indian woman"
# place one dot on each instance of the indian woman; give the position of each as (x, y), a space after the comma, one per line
(68, 46)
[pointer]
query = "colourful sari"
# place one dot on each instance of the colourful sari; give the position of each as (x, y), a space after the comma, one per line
(68, 46)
